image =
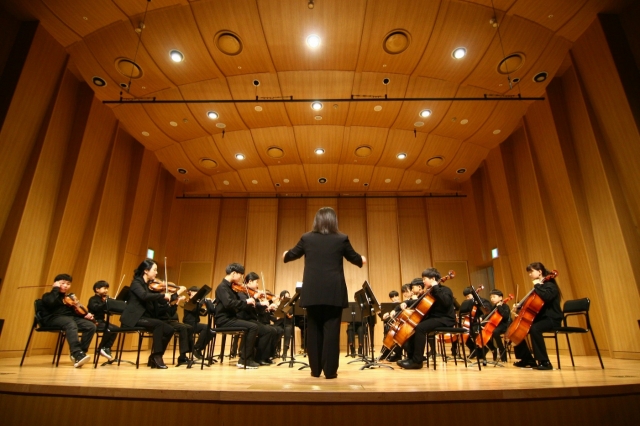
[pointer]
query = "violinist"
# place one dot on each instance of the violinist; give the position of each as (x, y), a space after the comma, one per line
(58, 313)
(259, 315)
(549, 317)
(496, 339)
(141, 311)
(441, 314)
(229, 305)
(192, 318)
(284, 326)
(97, 306)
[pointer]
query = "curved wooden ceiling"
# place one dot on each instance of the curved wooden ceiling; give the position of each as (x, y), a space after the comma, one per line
(350, 61)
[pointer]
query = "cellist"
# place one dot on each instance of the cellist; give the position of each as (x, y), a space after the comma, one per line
(549, 317)
(496, 299)
(441, 314)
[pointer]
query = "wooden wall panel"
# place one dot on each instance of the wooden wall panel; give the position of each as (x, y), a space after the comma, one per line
(382, 226)
(352, 220)
(292, 223)
(414, 239)
(261, 240)
(447, 234)
(28, 248)
(232, 236)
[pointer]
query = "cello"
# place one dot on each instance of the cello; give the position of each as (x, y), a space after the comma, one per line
(529, 306)
(493, 320)
(403, 325)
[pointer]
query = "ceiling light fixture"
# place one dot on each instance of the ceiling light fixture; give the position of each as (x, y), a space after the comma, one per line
(313, 41)
(319, 151)
(99, 81)
(176, 56)
(212, 115)
(310, 5)
(316, 106)
(459, 53)
(425, 113)
(239, 157)
(401, 156)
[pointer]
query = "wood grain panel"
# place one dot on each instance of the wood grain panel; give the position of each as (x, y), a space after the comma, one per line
(289, 177)
(173, 158)
(383, 243)
(464, 118)
(229, 119)
(281, 137)
(292, 223)
(242, 18)
(179, 32)
(85, 18)
(193, 232)
(317, 85)
(352, 177)
(436, 146)
(417, 19)
(370, 84)
(27, 250)
(262, 232)
(574, 28)
(123, 43)
(339, 25)
(228, 182)
(175, 120)
(355, 136)
(415, 181)
(420, 87)
(27, 11)
(313, 172)
(352, 220)
(199, 148)
(315, 204)
(504, 119)
(27, 112)
(257, 180)
(516, 37)
(401, 141)
(134, 8)
(329, 138)
(447, 237)
(413, 238)
(469, 157)
(385, 179)
(195, 274)
(239, 142)
(135, 120)
(259, 114)
(552, 16)
(458, 25)
(232, 237)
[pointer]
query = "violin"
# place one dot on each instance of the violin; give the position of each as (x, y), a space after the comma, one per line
(493, 320)
(71, 300)
(160, 287)
(241, 288)
(529, 306)
(403, 327)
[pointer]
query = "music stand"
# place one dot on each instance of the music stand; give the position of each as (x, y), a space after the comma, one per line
(476, 324)
(195, 300)
(370, 307)
(352, 315)
(286, 306)
(116, 307)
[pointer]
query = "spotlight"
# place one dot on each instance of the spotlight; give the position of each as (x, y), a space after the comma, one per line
(386, 81)
(316, 106)
(459, 53)
(256, 83)
(425, 113)
(239, 157)
(319, 151)
(176, 56)
(98, 81)
(322, 180)
(212, 115)
(401, 156)
(313, 41)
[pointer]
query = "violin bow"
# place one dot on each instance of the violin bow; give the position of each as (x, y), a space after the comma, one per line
(119, 285)
(166, 279)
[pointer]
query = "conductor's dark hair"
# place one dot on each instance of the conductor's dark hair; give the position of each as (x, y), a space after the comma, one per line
(146, 265)
(432, 273)
(326, 221)
(234, 267)
(250, 277)
(100, 284)
(406, 288)
(538, 267)
(61, 277)
(393, 294)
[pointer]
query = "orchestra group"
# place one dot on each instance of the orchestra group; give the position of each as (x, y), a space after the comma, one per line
(239, 301)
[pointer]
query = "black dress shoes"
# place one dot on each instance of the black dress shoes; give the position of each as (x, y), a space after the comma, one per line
(331, 376)
(408, 364)
(265, 362)
(158, 362)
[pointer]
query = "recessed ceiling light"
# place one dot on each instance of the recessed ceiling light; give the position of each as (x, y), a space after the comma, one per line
(226, 182)
(99, 81)
(316, 106)
(258, 108)
(461, 171)
(145, 133)
(418, 123)
(425, 113)
(377, 108)
(356, 180)
(464, 121)
(496, 131)
(173, 123)
(213, 115)
(322, 180)
(313, 41)
(221, 125)
(318, 117)
(538, 78)
(182, 171)
(387, 180)
(285, 180)
(255, 182)
(401, 156)
(239, 157)
(319, 151)
(418, 181)
(459, 53)
(176, 56)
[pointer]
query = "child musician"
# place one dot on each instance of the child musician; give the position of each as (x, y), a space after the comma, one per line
(58, 314)
(549, 317)
(192, 318)
(97, 306)
(505, 312)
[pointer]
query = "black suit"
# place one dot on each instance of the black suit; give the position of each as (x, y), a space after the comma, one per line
(324, 294)
(140, 311)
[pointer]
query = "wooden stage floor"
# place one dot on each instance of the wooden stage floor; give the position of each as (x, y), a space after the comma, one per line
(594, 394)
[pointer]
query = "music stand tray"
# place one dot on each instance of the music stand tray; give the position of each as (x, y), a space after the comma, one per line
(193, 302)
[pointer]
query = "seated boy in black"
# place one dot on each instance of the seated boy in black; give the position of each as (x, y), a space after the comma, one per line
(97, 306)
(192, 318)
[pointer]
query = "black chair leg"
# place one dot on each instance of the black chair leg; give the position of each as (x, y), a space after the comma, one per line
(596, 345)
(26, 348)
(570, 352)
